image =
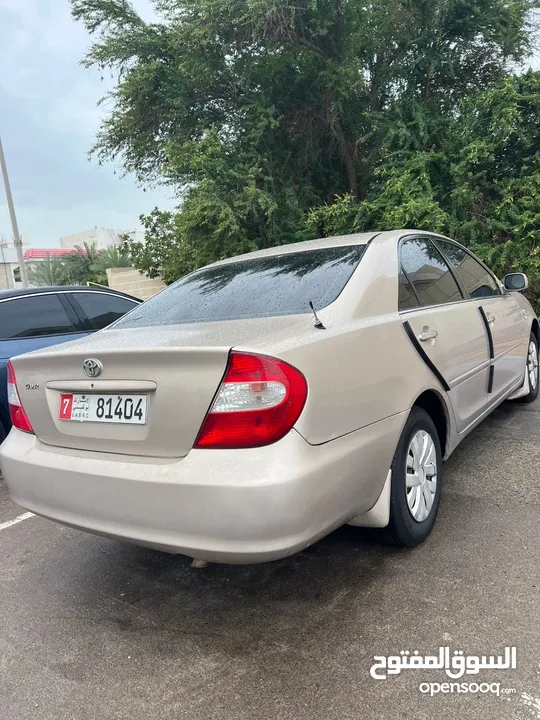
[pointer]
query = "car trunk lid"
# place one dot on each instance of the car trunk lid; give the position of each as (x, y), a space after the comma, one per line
(178, 369)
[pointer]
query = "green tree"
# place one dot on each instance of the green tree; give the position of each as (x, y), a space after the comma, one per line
(82, 265)
(495, 198)
(260, 114)
(112, 257)
(49, 272)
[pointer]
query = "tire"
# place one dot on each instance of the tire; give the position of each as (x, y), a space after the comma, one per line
(532, 369)
(409, 525)
(2, 433)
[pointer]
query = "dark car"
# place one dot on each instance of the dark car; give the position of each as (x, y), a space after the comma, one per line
(34, 318)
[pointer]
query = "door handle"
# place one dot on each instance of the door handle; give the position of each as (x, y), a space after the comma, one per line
(490, 318)
(427, 334)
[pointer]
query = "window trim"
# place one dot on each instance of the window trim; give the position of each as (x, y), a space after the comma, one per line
(415, 291)
(464, 295)
(137, 301)
(42, 335)
(438, 238)
(76, 321)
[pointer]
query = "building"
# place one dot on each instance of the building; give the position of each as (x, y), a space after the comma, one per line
(32, 256)
(10, 272)
(38, 254)
(100, 237)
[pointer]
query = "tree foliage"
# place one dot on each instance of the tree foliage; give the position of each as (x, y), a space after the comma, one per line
(82, 266)
(85, 264)
(277, 121)
(48, 272)
(111, 257)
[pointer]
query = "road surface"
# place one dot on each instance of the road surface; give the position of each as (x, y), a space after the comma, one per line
(91, 628)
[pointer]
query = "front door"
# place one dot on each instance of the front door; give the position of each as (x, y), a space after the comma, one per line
(503, 317)
(510, 340)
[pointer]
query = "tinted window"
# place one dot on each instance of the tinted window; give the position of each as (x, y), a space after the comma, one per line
(407, 296)
(33, 316)
(101, 308)
(263, 287)
(428, 272)
(478, 281)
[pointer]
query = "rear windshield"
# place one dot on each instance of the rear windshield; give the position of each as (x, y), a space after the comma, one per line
(262, 287)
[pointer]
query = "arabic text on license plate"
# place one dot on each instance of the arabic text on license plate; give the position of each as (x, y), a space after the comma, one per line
(103, 408)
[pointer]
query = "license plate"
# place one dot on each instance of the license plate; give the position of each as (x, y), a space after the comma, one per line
(129, 409)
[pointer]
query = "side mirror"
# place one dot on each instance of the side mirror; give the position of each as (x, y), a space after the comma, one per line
(516, 282)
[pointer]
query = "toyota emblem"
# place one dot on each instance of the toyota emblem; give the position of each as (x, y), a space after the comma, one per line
(92, 367)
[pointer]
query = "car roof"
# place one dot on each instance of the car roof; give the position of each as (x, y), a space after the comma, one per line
(21, 292)
(336, 241)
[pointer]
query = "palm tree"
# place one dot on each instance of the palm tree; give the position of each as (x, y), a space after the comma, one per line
(81, 264)
(112, 257)
(51, 271)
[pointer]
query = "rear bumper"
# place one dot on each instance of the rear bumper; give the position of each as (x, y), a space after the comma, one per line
(232, 506)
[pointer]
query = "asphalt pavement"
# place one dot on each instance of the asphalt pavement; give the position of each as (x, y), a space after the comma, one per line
(91, 628)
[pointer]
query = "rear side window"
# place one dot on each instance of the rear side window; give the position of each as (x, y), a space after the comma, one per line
(407, 296)
(428, 273)
(35, 316)
(474, 276)
(262, 287)
(102, 309)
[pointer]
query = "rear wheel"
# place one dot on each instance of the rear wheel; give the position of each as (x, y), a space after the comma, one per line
(531, 371)
(2, 433)
(416, 480)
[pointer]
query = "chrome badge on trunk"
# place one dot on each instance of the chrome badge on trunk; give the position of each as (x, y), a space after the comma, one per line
(92, 367)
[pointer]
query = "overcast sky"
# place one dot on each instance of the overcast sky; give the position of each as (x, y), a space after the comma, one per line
(48, 119)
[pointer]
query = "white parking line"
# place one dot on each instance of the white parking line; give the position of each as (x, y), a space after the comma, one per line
(19, 519)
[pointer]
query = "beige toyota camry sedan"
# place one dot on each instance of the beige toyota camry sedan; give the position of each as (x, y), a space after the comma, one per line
(262, 401)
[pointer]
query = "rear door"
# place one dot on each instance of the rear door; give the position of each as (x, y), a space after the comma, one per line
(446, 328)
(29, 323)
(36, 321)
(504, 319)
(99, 309)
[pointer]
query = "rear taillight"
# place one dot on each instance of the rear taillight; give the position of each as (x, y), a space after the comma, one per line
(19, 417)
(259, 400)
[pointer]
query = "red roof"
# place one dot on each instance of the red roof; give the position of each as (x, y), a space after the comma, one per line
(42, 253)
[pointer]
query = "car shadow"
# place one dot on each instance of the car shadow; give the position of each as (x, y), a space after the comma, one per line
(149, 591)
(224, 607)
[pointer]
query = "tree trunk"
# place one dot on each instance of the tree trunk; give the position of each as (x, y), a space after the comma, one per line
(350, 169)
(347, 151)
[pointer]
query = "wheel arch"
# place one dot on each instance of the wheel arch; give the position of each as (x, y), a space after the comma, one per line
(432, 402)
(535, 329)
